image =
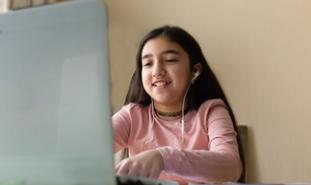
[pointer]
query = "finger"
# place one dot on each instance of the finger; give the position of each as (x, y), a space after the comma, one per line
(135, 169)
(116, 168)
(154, 174)
(145, 172)
(123, 168)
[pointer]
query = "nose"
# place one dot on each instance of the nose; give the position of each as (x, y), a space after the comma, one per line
(158, 70)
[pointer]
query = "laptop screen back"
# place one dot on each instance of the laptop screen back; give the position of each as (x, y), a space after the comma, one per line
(55, 110)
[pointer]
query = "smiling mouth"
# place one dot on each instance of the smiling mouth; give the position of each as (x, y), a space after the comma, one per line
(161, 84)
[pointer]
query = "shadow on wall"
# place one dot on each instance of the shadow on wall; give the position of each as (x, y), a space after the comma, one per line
(253, 172)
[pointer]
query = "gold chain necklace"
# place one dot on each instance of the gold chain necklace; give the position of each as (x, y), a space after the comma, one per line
(168, 114)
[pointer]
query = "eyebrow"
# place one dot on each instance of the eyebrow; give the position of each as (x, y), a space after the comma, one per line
(169, 51)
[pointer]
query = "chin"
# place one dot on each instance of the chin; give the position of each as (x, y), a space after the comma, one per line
(164, 101)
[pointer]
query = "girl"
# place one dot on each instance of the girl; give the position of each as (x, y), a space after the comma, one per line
(176, 121)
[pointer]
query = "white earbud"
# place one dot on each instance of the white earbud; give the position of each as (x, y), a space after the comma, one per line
(195, 76)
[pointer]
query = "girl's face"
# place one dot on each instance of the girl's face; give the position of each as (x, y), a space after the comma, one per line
(166, 73)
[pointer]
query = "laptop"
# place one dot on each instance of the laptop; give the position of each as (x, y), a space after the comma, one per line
(55, 109)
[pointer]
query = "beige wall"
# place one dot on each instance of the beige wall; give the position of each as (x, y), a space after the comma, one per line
(259, 49)
(3, 6)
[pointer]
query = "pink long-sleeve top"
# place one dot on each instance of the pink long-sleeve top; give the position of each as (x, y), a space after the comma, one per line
(209, 152)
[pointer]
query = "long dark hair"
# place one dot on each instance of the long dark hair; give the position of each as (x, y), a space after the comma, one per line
(205, 87)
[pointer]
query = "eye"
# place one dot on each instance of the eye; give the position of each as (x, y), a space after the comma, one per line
(147, 63)
(171, 60)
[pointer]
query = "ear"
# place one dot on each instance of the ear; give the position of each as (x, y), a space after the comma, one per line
(196, 71)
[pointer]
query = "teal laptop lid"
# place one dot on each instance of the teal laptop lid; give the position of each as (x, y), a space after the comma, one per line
(55, 110)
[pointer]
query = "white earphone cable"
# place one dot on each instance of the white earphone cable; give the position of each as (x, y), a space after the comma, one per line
(182, 113)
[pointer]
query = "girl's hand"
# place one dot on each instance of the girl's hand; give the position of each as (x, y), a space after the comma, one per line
(148, 164)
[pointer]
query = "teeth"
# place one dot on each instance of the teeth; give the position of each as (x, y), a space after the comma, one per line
(160, 84)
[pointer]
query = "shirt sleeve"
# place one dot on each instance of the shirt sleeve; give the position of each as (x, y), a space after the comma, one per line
(121, 126)
(220, 163)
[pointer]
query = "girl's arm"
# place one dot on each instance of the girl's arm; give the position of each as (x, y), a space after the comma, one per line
(121, 129)
(220, 163)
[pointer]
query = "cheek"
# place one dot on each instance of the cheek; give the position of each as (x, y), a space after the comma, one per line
(145, 79)
(182, 76)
